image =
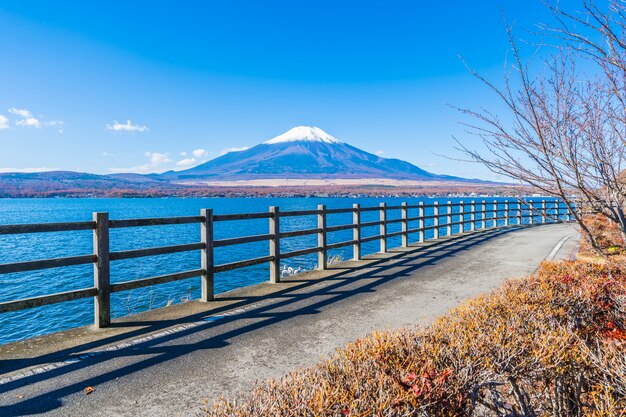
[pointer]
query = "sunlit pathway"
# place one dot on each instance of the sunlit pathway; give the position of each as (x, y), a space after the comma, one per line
(252, 336)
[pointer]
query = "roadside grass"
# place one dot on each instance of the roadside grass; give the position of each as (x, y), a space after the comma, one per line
(552, 344)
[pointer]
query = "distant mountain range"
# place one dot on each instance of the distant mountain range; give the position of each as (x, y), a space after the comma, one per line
(302, 153)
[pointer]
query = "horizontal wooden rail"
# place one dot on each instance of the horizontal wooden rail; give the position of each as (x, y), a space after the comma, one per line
(294, 233)
(341, 244)
(300, 252)
(446, 218)
(115, 224)
(243, 264)
(341, 227)
(394, 234)
(163, 250)
(19, 229)
(370, 238)
(370, 224)
(246, 216)
(162, 279)
(43, 300)
(46, 264)
(299, 213)
(368, 209)
(340, 210)
(241, 240)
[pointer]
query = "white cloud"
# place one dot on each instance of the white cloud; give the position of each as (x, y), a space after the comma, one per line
(157, 158)
(27, 118)
(183, 154)
(26, 170)
(379, 153)
(127, 127)
(199, 153)
(234, 149)
(107, 154)
(186, 162)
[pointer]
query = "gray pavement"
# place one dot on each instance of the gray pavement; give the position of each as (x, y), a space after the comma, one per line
(166, 363)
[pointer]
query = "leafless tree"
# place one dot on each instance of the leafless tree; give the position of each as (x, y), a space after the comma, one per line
(565, 131)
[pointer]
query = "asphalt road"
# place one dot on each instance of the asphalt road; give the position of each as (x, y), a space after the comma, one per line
(173, 372)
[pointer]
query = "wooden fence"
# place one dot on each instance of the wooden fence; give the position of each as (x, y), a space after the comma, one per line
(474, 215)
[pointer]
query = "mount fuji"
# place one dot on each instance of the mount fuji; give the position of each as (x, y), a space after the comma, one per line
(303, 156)
(304, 152)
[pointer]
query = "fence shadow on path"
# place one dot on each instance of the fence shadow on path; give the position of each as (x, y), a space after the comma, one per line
(271, 309)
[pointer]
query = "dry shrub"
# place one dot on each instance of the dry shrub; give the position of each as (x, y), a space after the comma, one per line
(607, 235)
(549, 345)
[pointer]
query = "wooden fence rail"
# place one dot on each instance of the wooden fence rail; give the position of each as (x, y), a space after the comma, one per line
(491, 214)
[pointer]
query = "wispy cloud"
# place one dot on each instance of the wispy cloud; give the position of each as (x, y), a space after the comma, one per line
(234, 149)
(107, 154)
(55, 123)
(199, 153)
(186, 162)
(158, 158)
(127, 127)
(155, 161)
(379, 153)
(26, 118)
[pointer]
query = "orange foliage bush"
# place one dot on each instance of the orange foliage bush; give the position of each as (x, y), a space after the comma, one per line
(606, 234)
(553, 344)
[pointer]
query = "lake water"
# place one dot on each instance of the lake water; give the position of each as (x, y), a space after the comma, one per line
(17, 248)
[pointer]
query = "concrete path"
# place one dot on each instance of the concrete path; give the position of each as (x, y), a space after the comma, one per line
(167, 362)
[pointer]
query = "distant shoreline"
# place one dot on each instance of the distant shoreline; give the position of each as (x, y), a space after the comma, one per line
(369, 189)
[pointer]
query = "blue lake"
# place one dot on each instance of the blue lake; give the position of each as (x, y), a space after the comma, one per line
(17, 248)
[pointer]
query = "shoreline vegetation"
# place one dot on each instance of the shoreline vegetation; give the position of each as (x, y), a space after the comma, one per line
(258, 191)
(552, 344)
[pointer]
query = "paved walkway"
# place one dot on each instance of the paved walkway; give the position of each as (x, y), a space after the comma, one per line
(167, 362)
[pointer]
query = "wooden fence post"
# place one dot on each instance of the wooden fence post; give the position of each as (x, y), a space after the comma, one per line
(495, 212)
(405, 225)
(383, 227)
(557, 218)
(483, 215)
(422, 233)
(506, 212)
(356, 232)
(449, 219)
(462, 216)
(322, 258)
(206, 255)
(102, 271)
(568, 213)
(473, 215)
(275, 245)
(436, 219)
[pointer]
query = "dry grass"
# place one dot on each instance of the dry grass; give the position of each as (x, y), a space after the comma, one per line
(553, 344)
(607, 235)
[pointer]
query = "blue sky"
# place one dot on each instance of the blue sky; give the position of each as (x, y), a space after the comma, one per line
(121, 86)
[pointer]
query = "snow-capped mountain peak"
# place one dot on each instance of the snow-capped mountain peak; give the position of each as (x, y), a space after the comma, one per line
(303, 133)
